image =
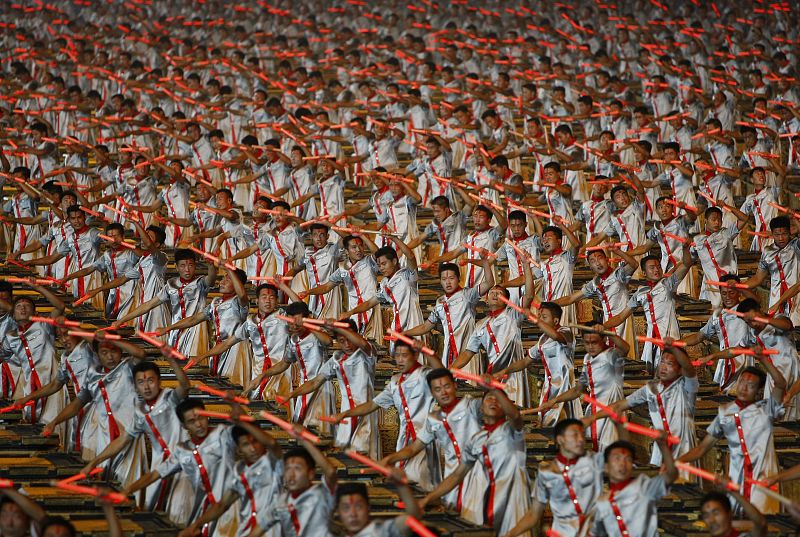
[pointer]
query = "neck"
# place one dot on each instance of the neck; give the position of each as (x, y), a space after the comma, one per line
(490, 423)
(497, 312)
(448, 408)
(616, 486)
(228, 296)
(566, 458)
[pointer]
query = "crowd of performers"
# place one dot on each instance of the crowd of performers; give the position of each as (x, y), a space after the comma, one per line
(652, 144)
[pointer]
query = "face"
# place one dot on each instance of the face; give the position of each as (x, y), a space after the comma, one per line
(186, 268)
(56, 531)
(223, 200)
(481, 220)
(297, 476)
(355, 250)
(249, 448)
(664, 210)
(13, 521)
(716, 518)
(148, 385)
(730, 296)
(547, 316)
(759, 178)
(748, 387)
(551, 175)
(353, 511)
(226, 285)
(670, 154)
(652, 270)
(345, 344)
(517, 228)
(594, 343)
(387, 266)
(620, 465)
(444, 391)
(319, 238)
(449, 281)
(396, 189)
(668, 369)
(77, 219)
(405, 359)
(781, 236)
(267, 301)
(494, 298)
(23, 310)
(109, 355)
(714, 222)
(598, 262)
(440, 213)
(195, 424)
(621, 199)
(296, 158)
(116, 235)
(572, 441)
(490, 406)
(550, 241)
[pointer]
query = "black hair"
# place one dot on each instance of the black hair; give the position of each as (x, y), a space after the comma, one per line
(238, 432)
(73, 209)
(351, 489)
(62, 522)
(318, 226)
(553, 308)
(298, 308)
(517, 215)
(348, 239)
(712, 210)
(266, 286)
(756, 372)
(553, 229)
(748, 304)
(718, 497)
(115, 226)
(444, 267)
(160, 235)
(647, 258)
(182, 254)
(141, 367)
(618, 188)
(440, 201)
(186, 405)
(730, 278)
(619, 444)
(439, 373)
(300, 453)
(6, 287)
(386, 251)
(562, 426)
(779, 222)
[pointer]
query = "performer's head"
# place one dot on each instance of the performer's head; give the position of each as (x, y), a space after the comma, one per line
(449, 277)
(440, 206)
(730, 295)
(550, 313)
(250, 449)
(713, 217)
(758, 176)
(493, 298)
(352, 506)
(672, 151)
(780, 228)
(433, 147)
(354, 248)
(499, 166)
(266, 298)
(157, 235)
(319, 235)
(109, 355)
(345, 344)
(147, 380)
(116, 232)
(594, 342)
(6, 291)
(387, 261)
(619, 458)
(297, 311)
(491, 409)
(76, 217)
(717, 513)
(599, 189)
(226, 285)
(651, 267)
(195, 423)
(517, 224)
(598, 262)
(56, 526)
(405, 356)
(569, 437)
(24, 307)
(299, 470)
(13, 520)
(750, 383)
(186, 263)
(62, 333)
(552, 172)
(620, 197)
(224, 198)
(664, 209)
(482, 217)
(749, 305)
(552, 238)
(669, 369)
(443, 387)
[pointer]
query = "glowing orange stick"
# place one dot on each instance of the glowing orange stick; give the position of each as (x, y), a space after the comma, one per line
(414, 343)
(366, 461)
(461, 374)
(225, 395)
(224, 416)
(289, 428)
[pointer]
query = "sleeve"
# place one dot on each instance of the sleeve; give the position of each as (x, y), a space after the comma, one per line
(137, 428)
(170, 466)
(633, 302)
(588, 289)
(328, 369)
(385, 399)
(337, 276)
(501, 254)
(474, 343)
(655, 488)
(708, 330)
(163, 295)
(100, 263)
(652, 234)
(62, 375)
(64, 248)
(671, 283)
(763, 263)
(472, 294)
(470, 453)
(639, 397)
(691, 385)
(732, 231)
(426, 434)
(775, 408)
(540, 491)
(241, 333)
(429, 231)
(598, 524)
(715, 428)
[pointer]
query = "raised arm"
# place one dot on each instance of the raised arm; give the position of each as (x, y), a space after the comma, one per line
(57, 303)
(488, 273)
